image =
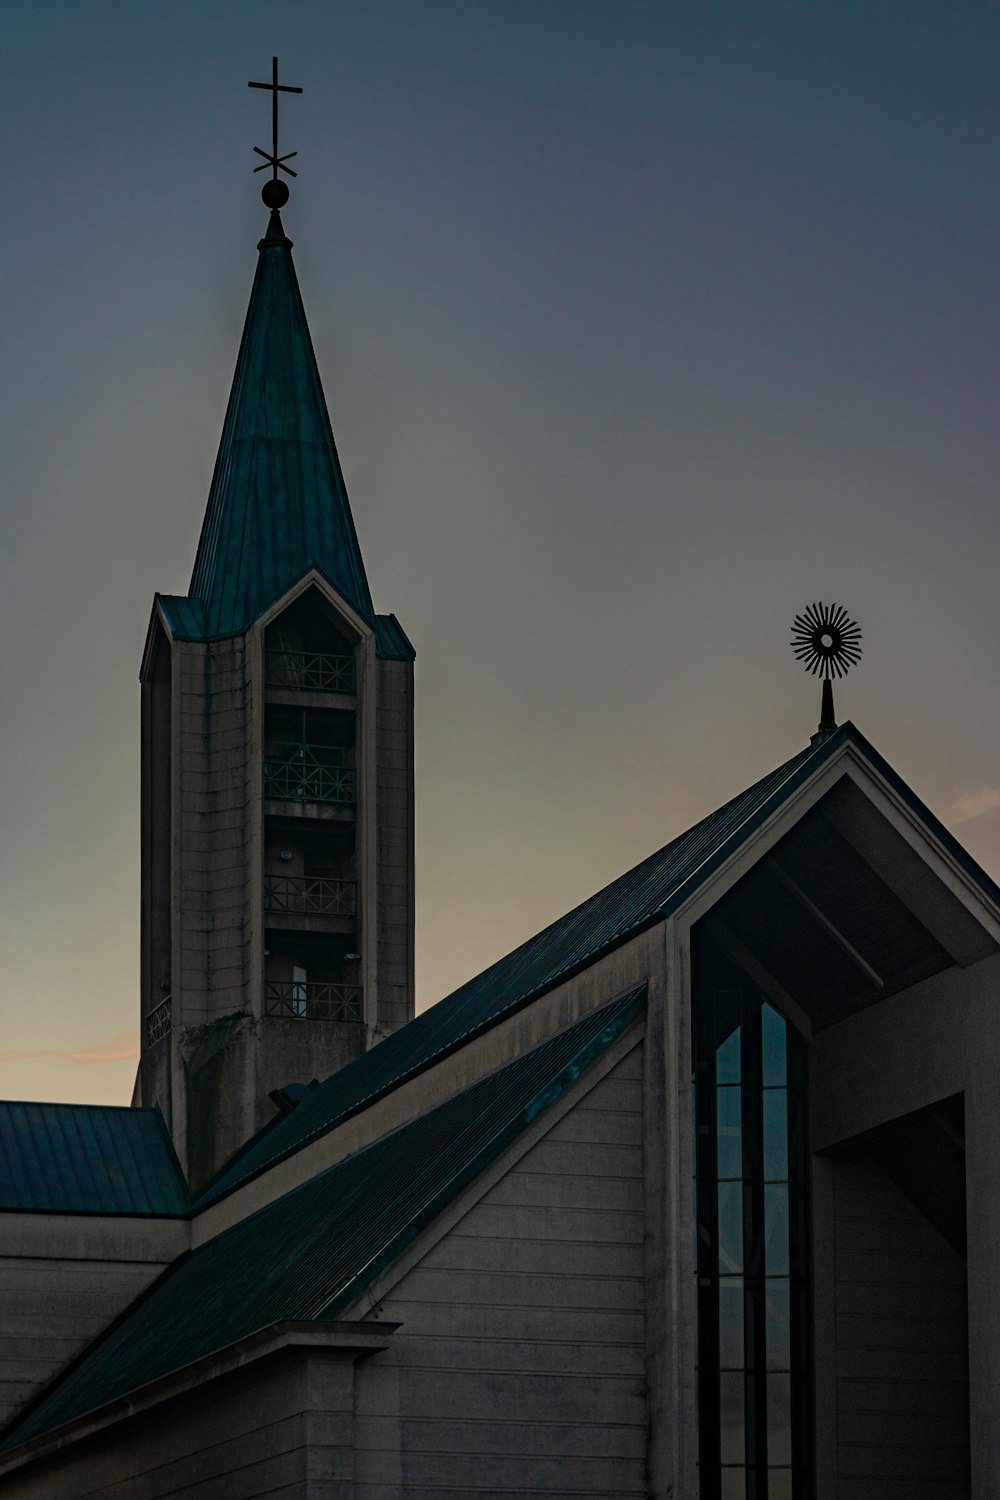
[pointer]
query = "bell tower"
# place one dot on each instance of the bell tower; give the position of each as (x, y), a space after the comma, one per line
(277, 768)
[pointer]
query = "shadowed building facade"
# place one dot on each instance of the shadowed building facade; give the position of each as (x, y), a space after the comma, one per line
(694, 1193)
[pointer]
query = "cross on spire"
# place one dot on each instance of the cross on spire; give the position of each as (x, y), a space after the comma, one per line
(271, 158)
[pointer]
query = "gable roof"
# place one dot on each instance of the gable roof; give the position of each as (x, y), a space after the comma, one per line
(87, 1159)
(278, 503)
(309, 1255)
(646, 894)
(636, 899)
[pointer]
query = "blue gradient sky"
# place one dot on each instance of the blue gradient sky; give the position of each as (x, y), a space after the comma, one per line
(641, 326)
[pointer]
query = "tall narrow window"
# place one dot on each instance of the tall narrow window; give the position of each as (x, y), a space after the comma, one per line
(751, 1262)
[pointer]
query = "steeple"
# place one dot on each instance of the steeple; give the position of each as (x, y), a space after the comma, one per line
(277, 710)
(278, 503)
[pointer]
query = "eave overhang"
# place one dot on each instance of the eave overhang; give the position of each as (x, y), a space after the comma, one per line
(850, 892)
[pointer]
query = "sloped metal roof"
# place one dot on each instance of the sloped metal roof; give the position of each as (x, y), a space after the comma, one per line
(87, 1159)
(633, 901)
(278, 503)
(309, 1255)
(391, 640)
(183, 616)
(644, 895)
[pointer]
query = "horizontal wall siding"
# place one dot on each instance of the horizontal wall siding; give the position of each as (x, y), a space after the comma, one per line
(902, 1347)
(283, 1432)
(63, 1285)
(519, 1366)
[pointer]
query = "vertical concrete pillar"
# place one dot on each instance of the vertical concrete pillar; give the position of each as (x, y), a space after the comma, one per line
(329, 1416)
(671, 1315)
(982, 1138)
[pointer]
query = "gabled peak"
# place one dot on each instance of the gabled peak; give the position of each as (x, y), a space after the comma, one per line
(278, 504)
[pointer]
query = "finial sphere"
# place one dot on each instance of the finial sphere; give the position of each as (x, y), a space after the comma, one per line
(274, 193)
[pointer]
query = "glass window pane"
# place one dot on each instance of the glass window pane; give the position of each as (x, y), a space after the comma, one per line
(730, 1133)
(777, 1324)
(775, 1230)
(779, 1419)
(731, 1323)
(731, 1228)
(727, 1059)
(779, 1484)
(734, 1484)
(775, 1135)
(772, 1041)
(732, 1440)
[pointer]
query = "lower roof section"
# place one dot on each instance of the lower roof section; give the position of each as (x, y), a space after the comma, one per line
(87, 1159)
(309, 1255)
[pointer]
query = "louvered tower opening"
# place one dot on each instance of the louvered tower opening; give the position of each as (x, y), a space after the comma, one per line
(310, 789)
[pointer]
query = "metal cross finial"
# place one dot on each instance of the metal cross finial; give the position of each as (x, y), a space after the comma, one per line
(275, 197)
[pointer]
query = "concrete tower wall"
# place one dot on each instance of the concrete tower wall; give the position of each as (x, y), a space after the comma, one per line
(213, 942)
(394, 792)
(215, 837)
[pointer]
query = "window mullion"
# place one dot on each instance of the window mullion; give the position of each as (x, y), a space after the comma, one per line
(753, 1173)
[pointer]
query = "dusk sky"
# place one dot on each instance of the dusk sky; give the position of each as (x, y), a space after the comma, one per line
(641, 325)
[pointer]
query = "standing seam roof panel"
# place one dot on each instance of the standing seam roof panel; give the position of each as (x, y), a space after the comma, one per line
(278, 503)
(93, 1159)
(310, 1254)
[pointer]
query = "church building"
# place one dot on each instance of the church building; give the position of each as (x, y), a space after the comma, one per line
(694, 1194)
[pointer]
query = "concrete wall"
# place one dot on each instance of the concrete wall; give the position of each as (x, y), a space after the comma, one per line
(157, 833)
(901, 1355)
(520, 1364)
(212, 1078)
(63, 1278)
(394, 842)
(937, 1039)
(217, 795)
(283, 1431)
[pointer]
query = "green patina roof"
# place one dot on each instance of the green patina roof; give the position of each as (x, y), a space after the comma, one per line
(186, 623)
(311, 1254)
(278, 504)
(87, 1159)
(642, 896)
(391, 640)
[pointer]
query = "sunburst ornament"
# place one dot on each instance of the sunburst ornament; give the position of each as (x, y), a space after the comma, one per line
(826, 640)
(828, 644)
